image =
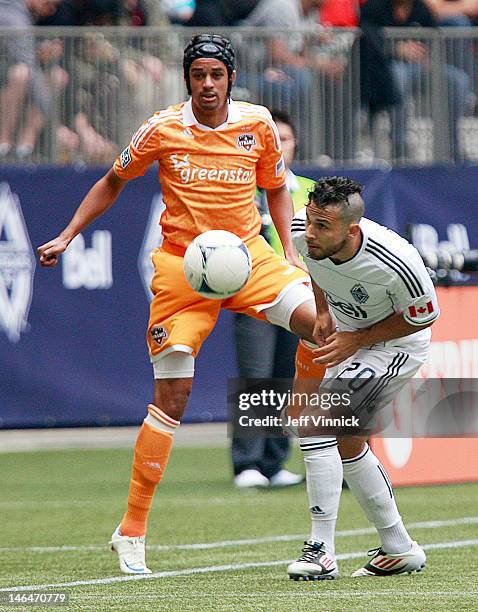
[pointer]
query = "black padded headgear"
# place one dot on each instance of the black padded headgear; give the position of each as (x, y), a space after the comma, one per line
(209, 45)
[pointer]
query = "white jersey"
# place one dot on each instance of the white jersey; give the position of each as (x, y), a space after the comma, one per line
(386, 276)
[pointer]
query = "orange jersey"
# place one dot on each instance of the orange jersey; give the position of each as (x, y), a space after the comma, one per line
(208, 176)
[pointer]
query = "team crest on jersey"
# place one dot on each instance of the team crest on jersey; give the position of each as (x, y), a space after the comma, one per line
(125, 158)
(359, 294)
(17, 265)
(246, 141)
(159, 334)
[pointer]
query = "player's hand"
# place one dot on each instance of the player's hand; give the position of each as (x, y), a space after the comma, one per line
(50, 252)
(338, 347)
(323, 328)
(294, 260)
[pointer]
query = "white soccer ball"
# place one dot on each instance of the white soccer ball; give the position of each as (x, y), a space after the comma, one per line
(217, 264)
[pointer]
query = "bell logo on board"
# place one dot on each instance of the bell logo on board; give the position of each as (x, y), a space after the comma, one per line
(17, 266)
(89, 267)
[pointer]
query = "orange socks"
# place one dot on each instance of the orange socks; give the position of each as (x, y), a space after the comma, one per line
(304, 366)
(307, 377)
(151, 455)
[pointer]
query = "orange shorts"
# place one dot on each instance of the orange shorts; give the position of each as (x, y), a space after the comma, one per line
(181, 319)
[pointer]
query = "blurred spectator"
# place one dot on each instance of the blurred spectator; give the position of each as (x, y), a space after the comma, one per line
(24, 91)
(98, 12)
(216, 13)
(338, 130)
(65, 14)
(457, 13)
(265, 350)
(285, 72)
(239, 10)
(178, 11)
(208, 13)
(410, 67)
(454, 12)
(90, 74)
(106, 77)
(339, 13)
(290, 58)
(146, 79)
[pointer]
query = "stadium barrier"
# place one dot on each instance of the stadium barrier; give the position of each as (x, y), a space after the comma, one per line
(88, 89)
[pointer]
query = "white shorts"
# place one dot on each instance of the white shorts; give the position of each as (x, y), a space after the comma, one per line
(369, 380)
(373, 376)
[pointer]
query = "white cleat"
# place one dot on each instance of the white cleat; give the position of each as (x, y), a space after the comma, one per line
(387, 564)
(314, 564)
(131, 553)
(251, 478)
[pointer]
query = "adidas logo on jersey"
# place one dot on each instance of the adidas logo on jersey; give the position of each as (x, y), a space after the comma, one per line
(189, 173)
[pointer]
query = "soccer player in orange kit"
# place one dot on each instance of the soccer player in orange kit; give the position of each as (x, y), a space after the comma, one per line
(212, 152)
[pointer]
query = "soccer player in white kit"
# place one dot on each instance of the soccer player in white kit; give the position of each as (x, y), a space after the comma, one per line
(375, 303)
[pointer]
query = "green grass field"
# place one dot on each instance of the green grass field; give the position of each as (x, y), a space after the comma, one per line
(51, 500)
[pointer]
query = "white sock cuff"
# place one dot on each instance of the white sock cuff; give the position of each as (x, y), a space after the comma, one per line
(313, 445)
(361, 455)
(160, 420)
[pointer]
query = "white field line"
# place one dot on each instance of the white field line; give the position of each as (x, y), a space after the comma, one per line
(154, 596)
(249, 498)
(12, 505)
(211, 569)
(467, 520)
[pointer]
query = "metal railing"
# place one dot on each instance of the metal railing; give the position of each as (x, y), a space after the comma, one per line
(75, 95)
(433, 118)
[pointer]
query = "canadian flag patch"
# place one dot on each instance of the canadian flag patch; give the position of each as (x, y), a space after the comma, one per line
(422, 310)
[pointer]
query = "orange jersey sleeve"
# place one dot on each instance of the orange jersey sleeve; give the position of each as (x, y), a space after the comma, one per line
(271, 166)
(143, 150)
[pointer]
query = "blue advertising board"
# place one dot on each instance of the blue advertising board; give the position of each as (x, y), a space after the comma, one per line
(72, 338)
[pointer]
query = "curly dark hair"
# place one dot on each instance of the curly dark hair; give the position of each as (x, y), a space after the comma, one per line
(336, 191)
(333, 189)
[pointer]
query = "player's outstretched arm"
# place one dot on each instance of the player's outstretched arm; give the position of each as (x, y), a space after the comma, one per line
(281, 209)
(100, 197)
(342, 345)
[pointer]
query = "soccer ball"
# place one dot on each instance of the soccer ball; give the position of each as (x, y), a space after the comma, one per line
(217, 264)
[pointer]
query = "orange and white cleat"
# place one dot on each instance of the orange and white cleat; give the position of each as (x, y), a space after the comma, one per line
(387, 564)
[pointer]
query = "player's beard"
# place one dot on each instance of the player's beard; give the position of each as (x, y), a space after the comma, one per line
(327, 253)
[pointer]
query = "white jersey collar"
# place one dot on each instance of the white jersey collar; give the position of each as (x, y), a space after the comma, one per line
(233, 116)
